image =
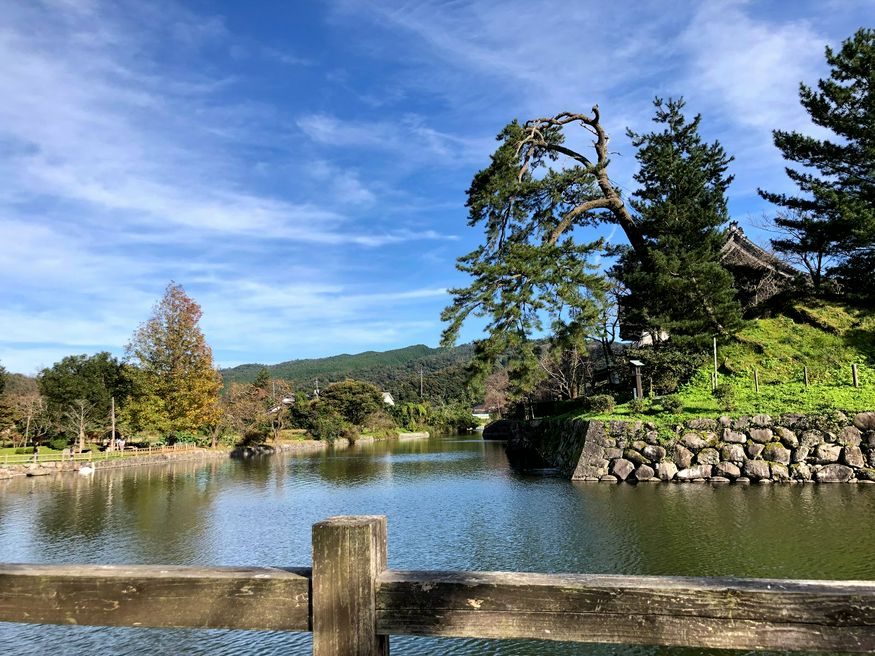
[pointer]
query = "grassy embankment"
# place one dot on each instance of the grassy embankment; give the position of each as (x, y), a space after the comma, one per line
(826, 338)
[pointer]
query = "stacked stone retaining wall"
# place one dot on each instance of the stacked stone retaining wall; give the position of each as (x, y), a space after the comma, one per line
(833, 448)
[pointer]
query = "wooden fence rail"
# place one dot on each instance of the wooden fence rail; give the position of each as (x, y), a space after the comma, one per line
(352, 602)
(94, 456)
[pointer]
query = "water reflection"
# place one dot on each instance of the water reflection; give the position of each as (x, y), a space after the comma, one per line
(452, 504)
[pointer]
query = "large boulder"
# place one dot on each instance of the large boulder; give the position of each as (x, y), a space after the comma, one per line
(612, 452)
(849, 436)
(734, 437)
(776, 452)
(635, 456)
(741, 423)
(693, 441)
(761, 435)
(702, 424)
(834, 474)
(800, 453)
(756, 469)
(811, 438)
(727, 469)
(827, 453)
(644, 473)
(865, 421)
(762, 421)
(800, 472)
(708, 456)
(853, 457)
(666, 470)
(733, 453)
(654, 453)
(792, 419)
(622, 468)
(682, 456)
(779, 471)
(788, 438)
(754, 450)
(692, 473)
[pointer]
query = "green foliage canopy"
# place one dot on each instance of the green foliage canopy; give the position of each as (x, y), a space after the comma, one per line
(835, 212)
(94, 379)
(679, 285)
(531, 272)
(354, 400)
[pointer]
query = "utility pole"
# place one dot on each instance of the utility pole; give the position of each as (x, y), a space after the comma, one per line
(112, 417)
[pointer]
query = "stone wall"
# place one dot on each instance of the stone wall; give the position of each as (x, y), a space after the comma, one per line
(833, 448)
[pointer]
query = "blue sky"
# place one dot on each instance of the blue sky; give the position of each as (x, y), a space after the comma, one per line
(300, 167)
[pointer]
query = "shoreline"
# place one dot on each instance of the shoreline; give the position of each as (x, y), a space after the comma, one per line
(53, 468)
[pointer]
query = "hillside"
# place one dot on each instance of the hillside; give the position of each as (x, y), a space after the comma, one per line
(825, 338)
(396, 371)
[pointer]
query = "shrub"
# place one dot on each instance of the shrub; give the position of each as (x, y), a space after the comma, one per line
(667, 366)
(184, 437)
(149, 438)
(725, 395)
(58, 444)
(328, 426)
(349, 432)
(637, 406)
(672, 404)
(602, 403)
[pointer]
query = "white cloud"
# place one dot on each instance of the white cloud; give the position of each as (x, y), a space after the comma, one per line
(749, 70)
(409, 137)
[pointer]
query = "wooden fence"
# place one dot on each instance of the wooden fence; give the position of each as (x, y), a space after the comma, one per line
(352, 602)
(94, 456)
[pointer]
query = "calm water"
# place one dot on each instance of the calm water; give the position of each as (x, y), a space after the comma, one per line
(451, 503)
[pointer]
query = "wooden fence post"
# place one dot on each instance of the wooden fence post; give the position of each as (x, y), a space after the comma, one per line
(349, 553)
(855, 375)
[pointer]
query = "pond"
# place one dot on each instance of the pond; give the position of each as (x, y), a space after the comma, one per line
(452, 503)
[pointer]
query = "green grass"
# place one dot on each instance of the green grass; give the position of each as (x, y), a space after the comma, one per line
(826, 338)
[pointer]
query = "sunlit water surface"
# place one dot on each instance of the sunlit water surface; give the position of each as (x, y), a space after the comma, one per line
(452, 503)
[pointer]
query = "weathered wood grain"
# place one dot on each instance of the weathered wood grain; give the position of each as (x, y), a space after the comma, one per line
(349, 553)
(671, 611)
(156, 596)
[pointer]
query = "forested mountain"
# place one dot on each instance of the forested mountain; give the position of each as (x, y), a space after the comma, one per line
(395, 371)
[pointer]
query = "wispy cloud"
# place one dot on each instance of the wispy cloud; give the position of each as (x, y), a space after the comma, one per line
(410, 136)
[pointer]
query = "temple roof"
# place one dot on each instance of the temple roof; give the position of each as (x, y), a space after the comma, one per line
(741, 251)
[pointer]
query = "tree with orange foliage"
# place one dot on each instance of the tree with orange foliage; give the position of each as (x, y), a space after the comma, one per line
(176, 385)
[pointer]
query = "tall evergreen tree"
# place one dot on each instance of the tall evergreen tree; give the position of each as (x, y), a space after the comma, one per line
(176, 384)
(532, 273)
(677, 284)
(837, 175)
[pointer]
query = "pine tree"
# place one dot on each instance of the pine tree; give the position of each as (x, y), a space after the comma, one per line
(677, 285)
(837, 175)
(531, 274)
(177, 383)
